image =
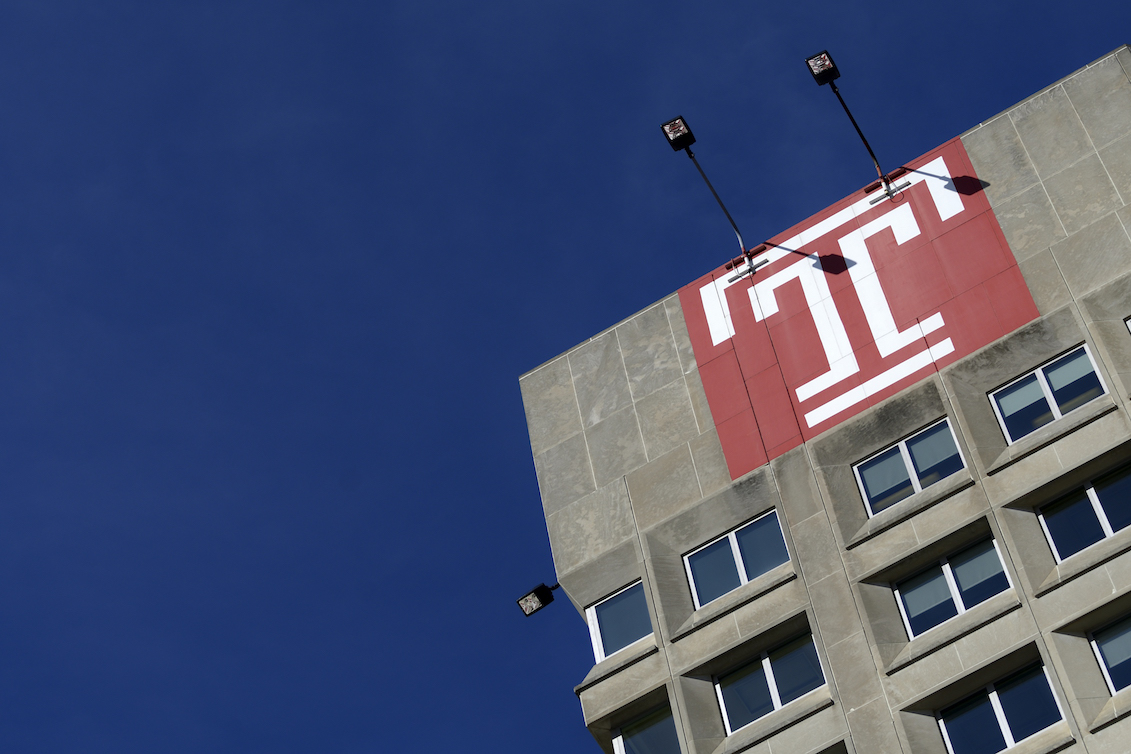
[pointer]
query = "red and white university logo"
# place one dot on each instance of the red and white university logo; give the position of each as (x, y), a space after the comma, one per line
(855, 304)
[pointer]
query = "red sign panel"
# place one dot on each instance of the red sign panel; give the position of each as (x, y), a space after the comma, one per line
(855, 304)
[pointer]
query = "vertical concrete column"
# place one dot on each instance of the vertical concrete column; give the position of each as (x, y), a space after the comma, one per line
(839, 626)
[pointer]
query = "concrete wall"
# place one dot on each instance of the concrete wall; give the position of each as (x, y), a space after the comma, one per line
(632, 477)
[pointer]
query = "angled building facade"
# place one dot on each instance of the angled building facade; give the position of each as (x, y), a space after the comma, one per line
(877, 496)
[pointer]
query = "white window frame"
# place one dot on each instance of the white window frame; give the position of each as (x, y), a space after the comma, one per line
(905, 454)
(999, 713)
(771, 682)
(951, 584)
(595, 626)
(1042, 381)
(1097, 507)
(1100, 657)
(734, 549)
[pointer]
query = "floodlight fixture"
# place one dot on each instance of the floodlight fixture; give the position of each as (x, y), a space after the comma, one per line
(536, 599)
(823, 68)
(679, 135)
(824, 71)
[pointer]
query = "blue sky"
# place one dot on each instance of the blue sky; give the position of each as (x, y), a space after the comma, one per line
(269, 273)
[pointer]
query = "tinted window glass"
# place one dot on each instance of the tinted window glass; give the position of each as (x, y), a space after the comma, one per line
(1023, 407)
(1114, 493)
(1072, 524)
(623, 619)
(762, 546)
(1027, 702)
(797, 671)
(885, 480)
(1073, 381)
(713, 571)
(926, 600)
(746, 695)
(978, 574)
(934, 454)
(653, 734)
(972, 727)
(1114, 643)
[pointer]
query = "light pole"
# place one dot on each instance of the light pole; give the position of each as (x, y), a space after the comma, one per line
(679, 136)
(824, 71)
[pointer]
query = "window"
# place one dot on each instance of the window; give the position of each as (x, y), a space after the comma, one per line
(618, 621)
(653, 733)
(1112, 646)
(952, 587)
(1085, 517)
(736, 558)
(769, 682)
(1001, 715)
(1029, 403)
(908, 467)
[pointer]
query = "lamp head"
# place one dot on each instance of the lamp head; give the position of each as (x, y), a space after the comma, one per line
(822, 67)
(678, 133)
(536, 599)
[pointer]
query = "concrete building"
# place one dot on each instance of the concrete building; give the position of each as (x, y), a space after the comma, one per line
(876, 498)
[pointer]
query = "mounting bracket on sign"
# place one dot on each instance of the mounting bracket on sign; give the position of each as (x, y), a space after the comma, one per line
(886, 182)
(748, 258)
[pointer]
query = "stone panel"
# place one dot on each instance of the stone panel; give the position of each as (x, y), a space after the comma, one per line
(699, 401)
(1082, 193)
(594, 524)
(872, 728)
(666, 418)
(615, 446)
(649, 351)
(564, 474)
(996, 638)
(1046, 283)
(699, 646)
(854, 669)
(1029, 222)
(799, 494)
(814, 734)
(599, 378)
(1051, 131)
(551, 406)
(816, 548)
(663, 487)
(930, 673)
(710, 463)
(679, 332)
(606, 698)
(1084, 593)
(835, 610)
(999, 159)
(1094, 256)
(1101, 95)
(1116, 157)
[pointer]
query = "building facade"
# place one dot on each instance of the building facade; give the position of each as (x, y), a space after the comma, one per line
(875, 497)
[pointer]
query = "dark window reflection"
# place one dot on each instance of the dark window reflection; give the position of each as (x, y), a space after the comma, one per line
(1028, 703)
(1072, 524)
(623, 619)
(652, 734)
